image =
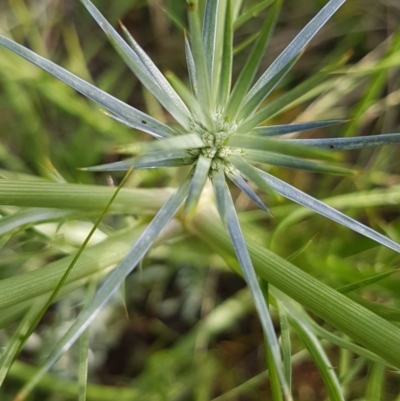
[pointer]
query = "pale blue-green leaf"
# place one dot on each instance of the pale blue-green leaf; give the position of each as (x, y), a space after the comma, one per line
(256, 94)
(275, 159)
(200, 61)
(251, 12)
(238, 180)
(319, 207)
(191, 67)
(249, 106)
(252, 64)
(123, 165)
(274, 130)
(164, 158)
(209, 35)
(30, 216)
(190, 99)
(348, 143)
(319, 357)
(116, 278)
(284, 102)
(142, 66)
(273, 145)
(250, 172)
(188, 141)
(133, 117)
(218, 181)
(227, 56)
(243, 256)
(198, 181)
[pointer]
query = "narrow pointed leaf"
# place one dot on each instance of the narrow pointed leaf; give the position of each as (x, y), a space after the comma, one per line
(251, 13)
(256, 94)
(116, 278)
(284, 146)
(209, 35)
(141, 65)
(285, 342)
(319, 357)
(190, 99)
(348, 143)
(319, 207)
(250, 173)
(199, 179)
(163, 158)
(238, 180)
(191, 67)
(239, 244)
(245, 43)
(249, 107)
(253, 62)
(188, 141)
(219, 183)
(202, 76)
(291, 162)
(274, 130)
(123, 165)
(227, 55)
(133, 117)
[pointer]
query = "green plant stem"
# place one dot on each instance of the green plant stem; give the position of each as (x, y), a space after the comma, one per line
(362, 325)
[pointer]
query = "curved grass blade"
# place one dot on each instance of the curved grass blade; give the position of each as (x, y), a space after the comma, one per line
(239, 244)
(164, 158)
(348, 143)
(113, 281)
(261, 88)
(141, 65)
(253, 62)
(319, 357)
(285, 342)
(123, 165)
(274, 130)
(227, 56)
(191, 67)
(27, 217)
(209, 35)
(275, 159)
(133, 117)
(199, 179)
(319, 207)
(200, 61)
(238, 180)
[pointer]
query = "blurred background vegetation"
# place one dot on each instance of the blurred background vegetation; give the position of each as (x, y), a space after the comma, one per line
(139, 344)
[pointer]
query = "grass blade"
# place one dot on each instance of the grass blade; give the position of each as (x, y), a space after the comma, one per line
(199, 179)
(259, 91)
(123, 165)
(274, 130)
(132, 116)
(113, 281)
(319, 207)
(188, 141)
(141, 65)
(275, 159)
(349, 143)
(285, 342)
(251, 13)
(243, 256)
(164, 158)
(253, 62)
(238, 180)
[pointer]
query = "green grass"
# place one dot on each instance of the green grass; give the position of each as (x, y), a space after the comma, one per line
(184, 326)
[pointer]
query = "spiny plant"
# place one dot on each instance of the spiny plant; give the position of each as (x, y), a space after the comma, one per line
(221, 132)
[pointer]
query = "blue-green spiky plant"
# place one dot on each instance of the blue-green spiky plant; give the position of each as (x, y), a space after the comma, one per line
(220, 131)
